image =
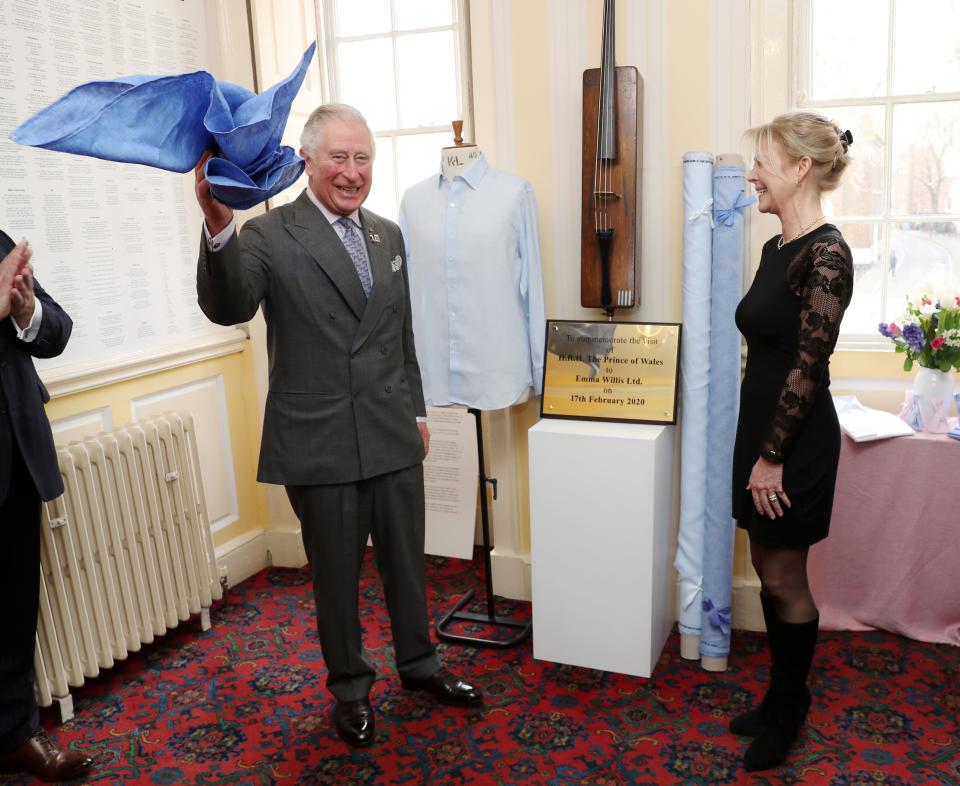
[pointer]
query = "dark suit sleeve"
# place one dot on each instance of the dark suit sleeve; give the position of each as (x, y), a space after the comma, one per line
(232, 282)
(410, 363)
(55, 327)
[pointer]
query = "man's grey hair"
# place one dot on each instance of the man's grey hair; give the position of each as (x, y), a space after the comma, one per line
(312, 135)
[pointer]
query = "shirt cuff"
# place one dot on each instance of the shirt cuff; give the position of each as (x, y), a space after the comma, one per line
(421, 419)
(220, 239)
(29, 333)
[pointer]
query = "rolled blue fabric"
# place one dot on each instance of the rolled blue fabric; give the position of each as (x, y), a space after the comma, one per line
(694, 381)
(729, 202)
(168, 121)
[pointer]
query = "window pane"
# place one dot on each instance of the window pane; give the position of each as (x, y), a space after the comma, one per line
(362, 17)
(866, 246)
(418, 157)
(383, 195)
(861, 193)
(412, 14)
(427, 75)
(927, 47)
(922, 256)
(926, 158)
(848, 57)
(364, 67)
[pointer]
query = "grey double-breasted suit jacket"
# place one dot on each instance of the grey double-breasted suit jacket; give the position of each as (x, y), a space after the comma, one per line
(345, 386)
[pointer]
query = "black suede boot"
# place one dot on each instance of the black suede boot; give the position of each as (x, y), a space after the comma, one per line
(789, 699)
(750, 724)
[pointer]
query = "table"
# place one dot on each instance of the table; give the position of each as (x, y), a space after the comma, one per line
(892, 560)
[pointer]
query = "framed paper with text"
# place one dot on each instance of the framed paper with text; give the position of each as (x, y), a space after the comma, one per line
(622, 371)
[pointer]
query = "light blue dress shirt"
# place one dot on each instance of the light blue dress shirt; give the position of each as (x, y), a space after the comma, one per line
(473, 258)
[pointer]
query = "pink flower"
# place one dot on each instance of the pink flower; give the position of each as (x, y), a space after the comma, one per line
(925, 301)
(892, 328)
(936, 343)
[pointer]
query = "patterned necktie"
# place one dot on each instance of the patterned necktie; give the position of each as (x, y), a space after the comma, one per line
(354, 245)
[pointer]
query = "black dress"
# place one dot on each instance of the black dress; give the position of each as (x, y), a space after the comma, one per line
(790, 318)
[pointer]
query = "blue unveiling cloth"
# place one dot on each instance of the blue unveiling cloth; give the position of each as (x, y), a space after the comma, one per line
(168, 122)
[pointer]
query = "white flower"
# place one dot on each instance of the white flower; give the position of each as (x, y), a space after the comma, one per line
(951, 338)
(948, 299)
(928, 308)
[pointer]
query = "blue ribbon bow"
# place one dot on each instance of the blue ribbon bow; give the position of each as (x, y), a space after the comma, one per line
(726, 215)
(719, 618)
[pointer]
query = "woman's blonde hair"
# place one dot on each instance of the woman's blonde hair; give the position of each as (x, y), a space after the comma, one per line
(806, 134)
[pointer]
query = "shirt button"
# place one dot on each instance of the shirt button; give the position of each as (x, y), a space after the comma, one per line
(216, 246)
(388, 388)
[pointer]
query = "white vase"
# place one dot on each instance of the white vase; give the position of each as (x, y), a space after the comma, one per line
(933, 391)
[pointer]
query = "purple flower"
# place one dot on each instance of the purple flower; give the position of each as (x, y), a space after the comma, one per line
(913, 335)
(882, 327)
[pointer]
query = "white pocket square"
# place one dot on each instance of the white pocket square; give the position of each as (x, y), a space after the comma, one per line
(396, 263)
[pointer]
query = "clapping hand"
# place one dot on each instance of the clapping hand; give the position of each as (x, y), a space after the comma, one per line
(16, 283)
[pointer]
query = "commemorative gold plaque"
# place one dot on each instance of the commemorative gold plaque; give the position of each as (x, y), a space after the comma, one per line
(623, 371)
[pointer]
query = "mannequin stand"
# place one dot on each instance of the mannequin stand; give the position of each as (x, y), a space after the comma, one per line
(490, 619)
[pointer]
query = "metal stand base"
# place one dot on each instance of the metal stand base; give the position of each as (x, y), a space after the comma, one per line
(490, 619)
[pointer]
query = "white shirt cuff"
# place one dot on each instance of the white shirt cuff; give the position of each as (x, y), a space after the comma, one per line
(421, 420)
(220, 239)
(29, 333)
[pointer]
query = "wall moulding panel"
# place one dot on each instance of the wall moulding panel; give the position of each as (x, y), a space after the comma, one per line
(91, 374)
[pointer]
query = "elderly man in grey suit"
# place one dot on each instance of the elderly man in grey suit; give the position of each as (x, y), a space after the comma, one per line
(344, 429)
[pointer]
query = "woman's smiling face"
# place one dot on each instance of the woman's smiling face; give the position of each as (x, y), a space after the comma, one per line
(770, 180)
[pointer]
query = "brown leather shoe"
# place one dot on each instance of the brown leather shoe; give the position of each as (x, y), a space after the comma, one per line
(40, 757)
(446, 688)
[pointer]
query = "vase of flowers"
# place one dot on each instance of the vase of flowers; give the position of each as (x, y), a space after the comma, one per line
(929, 335)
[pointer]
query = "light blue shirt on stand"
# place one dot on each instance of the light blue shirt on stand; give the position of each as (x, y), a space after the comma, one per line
(473, 257)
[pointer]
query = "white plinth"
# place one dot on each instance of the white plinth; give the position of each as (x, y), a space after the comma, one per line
(601, 496)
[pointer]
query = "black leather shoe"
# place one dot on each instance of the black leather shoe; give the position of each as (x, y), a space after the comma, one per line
(40, 757)
(354, 722)
(446, 688)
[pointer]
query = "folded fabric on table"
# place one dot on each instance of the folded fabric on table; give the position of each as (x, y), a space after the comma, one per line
(863, 424)
(168, 121)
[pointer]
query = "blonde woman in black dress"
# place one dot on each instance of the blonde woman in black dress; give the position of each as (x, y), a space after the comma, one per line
(788, 438)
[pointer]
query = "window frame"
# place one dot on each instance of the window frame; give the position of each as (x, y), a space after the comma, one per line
(781, 45)
(326, 13)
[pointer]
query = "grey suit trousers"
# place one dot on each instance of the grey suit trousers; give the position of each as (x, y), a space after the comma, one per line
(335, 521)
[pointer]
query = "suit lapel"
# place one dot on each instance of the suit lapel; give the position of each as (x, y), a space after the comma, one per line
(378, 252)
(312, 231)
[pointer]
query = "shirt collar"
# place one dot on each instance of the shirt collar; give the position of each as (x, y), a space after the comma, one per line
(472, 175)
(332, 217)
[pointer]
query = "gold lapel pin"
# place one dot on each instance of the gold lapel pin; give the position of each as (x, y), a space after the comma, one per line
(374, 237)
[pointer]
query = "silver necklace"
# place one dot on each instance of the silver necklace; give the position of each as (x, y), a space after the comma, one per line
(803, 230)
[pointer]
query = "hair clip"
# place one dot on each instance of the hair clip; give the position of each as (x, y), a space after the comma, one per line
(847, 139)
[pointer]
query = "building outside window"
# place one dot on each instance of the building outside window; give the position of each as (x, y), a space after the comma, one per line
(889, 70)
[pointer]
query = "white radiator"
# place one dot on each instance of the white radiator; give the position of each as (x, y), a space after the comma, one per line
(126, 552)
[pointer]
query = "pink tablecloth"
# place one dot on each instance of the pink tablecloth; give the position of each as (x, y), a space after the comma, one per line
(892, 560)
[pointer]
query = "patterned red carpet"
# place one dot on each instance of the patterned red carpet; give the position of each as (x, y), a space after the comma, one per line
(244, 704)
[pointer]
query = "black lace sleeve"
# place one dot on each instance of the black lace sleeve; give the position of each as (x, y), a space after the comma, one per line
(822, 276)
